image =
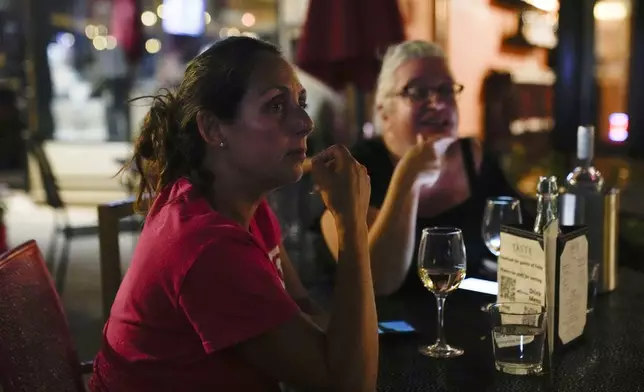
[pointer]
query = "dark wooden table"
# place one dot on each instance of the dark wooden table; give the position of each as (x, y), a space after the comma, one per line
(609, 359)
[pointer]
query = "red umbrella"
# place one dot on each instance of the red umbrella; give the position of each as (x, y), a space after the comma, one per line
(343, 40)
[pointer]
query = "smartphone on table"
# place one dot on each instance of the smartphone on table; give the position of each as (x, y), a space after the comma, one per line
(395, 327)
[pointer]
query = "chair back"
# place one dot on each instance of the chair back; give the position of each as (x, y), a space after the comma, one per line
(39, 166)
(36, 349)
(110, 225)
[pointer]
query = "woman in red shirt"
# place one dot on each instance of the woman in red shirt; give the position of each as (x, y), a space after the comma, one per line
(211, 301)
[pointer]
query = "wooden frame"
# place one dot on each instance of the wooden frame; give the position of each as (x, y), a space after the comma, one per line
(109, 217)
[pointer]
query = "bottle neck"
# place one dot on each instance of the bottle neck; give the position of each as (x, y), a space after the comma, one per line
(585, 163)
(585, 149)
(547, 204)
(546, 211)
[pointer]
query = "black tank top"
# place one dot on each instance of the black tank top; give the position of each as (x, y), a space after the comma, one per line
(488, 182)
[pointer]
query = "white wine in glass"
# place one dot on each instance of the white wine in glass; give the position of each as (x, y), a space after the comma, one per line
(442, 280)
(441, 266)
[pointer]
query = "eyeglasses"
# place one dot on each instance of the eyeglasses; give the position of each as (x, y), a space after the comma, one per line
(422, 93)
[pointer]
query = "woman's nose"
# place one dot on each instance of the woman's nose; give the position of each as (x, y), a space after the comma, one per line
(305, 125)
(305, 131)
(434, 101)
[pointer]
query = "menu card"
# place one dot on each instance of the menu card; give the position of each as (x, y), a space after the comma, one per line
(550, 234)
(573, 292)
(550, 270)
(521, 272)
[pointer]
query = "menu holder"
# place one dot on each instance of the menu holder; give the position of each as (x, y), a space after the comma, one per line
(549, 270)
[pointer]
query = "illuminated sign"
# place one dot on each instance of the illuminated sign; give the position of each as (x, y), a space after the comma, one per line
(618, 127)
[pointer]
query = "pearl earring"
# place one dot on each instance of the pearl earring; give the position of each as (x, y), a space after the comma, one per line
(221, 144)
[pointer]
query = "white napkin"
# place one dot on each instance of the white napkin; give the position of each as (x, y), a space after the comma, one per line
(441, 145)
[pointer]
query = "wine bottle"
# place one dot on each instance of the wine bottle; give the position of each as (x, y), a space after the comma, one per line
(547, 193)
(585, 177)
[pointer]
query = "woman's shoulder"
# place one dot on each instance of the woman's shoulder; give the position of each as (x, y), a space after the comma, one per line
(472, 145)
(491, 172)
(182, 216)
(484, 159)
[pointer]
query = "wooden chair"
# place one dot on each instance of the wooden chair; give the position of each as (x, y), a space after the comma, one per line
(36, 350)
(110, 217)
(64, 228)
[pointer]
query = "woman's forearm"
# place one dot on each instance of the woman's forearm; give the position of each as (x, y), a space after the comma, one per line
(392, 236)
(352, 334)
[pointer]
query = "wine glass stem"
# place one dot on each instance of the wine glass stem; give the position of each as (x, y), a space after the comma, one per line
(440, 305)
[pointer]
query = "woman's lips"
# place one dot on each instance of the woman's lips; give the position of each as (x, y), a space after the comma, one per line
(435, 123)
(297, 153)
(434, 128)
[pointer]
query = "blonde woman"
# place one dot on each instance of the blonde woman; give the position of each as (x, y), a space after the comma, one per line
(415, 111)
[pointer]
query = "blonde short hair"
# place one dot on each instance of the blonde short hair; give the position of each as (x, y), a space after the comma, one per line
(395, 56)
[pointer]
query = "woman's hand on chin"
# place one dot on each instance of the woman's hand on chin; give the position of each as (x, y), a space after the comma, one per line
(421, 164)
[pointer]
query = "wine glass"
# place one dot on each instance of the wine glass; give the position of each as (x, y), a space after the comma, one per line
(441, 267)
(499, 210)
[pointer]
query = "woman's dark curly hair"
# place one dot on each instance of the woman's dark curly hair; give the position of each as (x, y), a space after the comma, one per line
(169, 145)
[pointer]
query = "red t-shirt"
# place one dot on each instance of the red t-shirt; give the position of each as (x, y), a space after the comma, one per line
(199, 284)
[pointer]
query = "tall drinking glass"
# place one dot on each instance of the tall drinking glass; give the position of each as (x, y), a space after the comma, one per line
(503, 210)
(441, 267)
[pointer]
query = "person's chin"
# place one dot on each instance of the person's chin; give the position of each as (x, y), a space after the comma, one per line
(293, 174)
(298, 173)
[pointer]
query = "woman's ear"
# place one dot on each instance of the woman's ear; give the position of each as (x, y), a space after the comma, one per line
(210, 129)
(383, 113)
(380, 110)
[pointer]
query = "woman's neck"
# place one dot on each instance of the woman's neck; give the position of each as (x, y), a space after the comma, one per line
(235, 198)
